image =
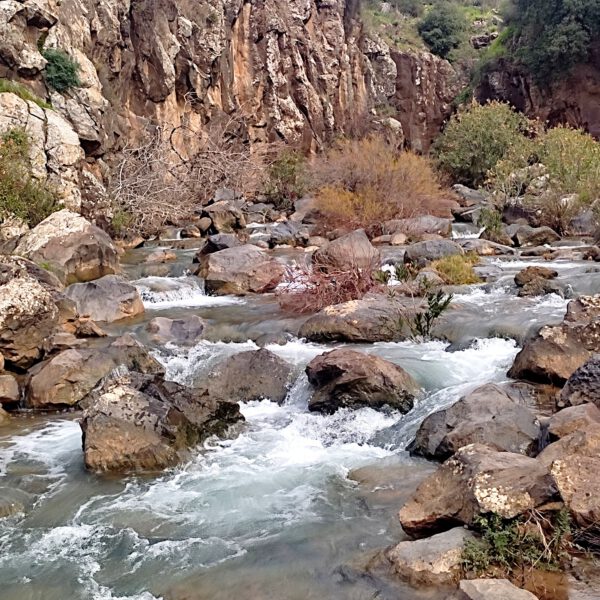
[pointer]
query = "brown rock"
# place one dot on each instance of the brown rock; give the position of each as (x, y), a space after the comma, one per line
(572, 419)
(161, 256)
(225, 217)
(492, 589)
(345, 378)
(186, 330)
(353, 250)
(9, 389)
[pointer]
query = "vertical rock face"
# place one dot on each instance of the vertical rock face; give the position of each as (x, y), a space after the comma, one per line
(293, 70)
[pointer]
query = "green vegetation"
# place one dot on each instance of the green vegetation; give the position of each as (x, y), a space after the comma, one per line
(62, 72)
(443, 28)
(508, 546)
(475, 140)
(490, 219)
(458, 269)
(20, 194)
(421, 325)
(286, 180)
(13, 87)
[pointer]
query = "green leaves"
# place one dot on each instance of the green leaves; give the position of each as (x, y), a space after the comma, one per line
(62, 72)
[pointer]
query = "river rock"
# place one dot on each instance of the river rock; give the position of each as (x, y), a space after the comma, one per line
(345, 378)
(498, 236)
(417, 227)
(353, 250)
(422, 253)
(536, 281)
(217, 242)
(71, 247)
(491, 589)
(225, 217)
(572, 419)
(4, 416)
(483, 247)
(107, 299)
(434, 561)
(470, 197)
(240, 271)
(160, 257)
(9, 389)
(374, 318)
(477, 480)
(289, 233)
(557, 351)
(488, 415)
(534, 236)
(183, 331)
(583, 385)
(142, 423)
(253, 375)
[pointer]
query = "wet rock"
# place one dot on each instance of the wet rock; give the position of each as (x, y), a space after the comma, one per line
(534, 236)
(253, 375)
(434, 561)
(9, 389)
(345, 378)
(13, 501)
(217, 242)
(557, 351)
(475, 481)
(537, 281)
(161, 256)
(353, 250)
(422, 253)
(4, 416)
(488, 415)
(71, 247)
(530, 274)
(242, 270)
(225, 217)
(483, 247)
(491, 589)
(184, 331)
(169, 233)
(143, 423)
(128, 351)
(190, 232)
(372, 319)
(107, 299)
(500, 236)
(583, 386)
(572, 419)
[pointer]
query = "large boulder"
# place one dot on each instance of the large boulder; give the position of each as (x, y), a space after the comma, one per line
(183, 331)
(477, 480)
(142, 423)
(434, 561)
(491, 589)
(107, 299)
(422, 253)
(374, 318)
(583, 386)
(525, 235)
(557, 351)
(345, 378)
(252, 375)
(416, 227)
(68, 377)
(572, 419)
(216, 243)
(240, 271)
(10, 392)
(353, 250)
(225, 217)
(537, 281)
(488, 415)
(71, 247)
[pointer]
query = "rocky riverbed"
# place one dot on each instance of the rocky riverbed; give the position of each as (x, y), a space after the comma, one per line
(249, 480)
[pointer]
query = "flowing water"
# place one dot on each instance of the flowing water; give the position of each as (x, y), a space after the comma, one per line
(293, 507)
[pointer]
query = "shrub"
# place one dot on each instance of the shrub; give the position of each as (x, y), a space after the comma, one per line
(457, 269)
(13, 87)
(62, 72)
(490, 219)
(310, 289)
(362, 183)
(508, 546)
(20, 194)
(477, 138)
(443, 28)
(286, 179)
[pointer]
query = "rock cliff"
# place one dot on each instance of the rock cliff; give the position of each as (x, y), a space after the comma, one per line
(293, 70)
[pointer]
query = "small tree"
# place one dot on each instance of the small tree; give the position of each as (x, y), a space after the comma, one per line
(443, 28)
(286, 179)
(62, 72)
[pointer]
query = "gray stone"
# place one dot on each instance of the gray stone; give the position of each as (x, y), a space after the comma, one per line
(422, 253)
(492, 589)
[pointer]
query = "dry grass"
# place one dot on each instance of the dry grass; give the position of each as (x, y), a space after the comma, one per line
(457, 269)
(362, 183)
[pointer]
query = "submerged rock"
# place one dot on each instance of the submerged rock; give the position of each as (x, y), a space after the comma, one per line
(107, 299)
(345, 378)
(71, 247)
(144, 423)
(434, 561)
(488, 415)
(253, 375)
(240, 270)
(475, 481)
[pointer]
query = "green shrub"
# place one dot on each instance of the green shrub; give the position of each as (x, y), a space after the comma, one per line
(457, 269)
(443, 28)
(13, 87)
(509, 546)
(476, 138)
(62, 72)
(490, 219)
(20, 194)
(286, 179)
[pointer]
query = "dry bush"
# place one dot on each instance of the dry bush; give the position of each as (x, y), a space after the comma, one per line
(310, 289)
(457, 269)
(363, 183)
(154, 183)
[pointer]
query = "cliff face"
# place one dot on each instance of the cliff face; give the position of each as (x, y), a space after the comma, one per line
(292, 70)
(573, 100)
